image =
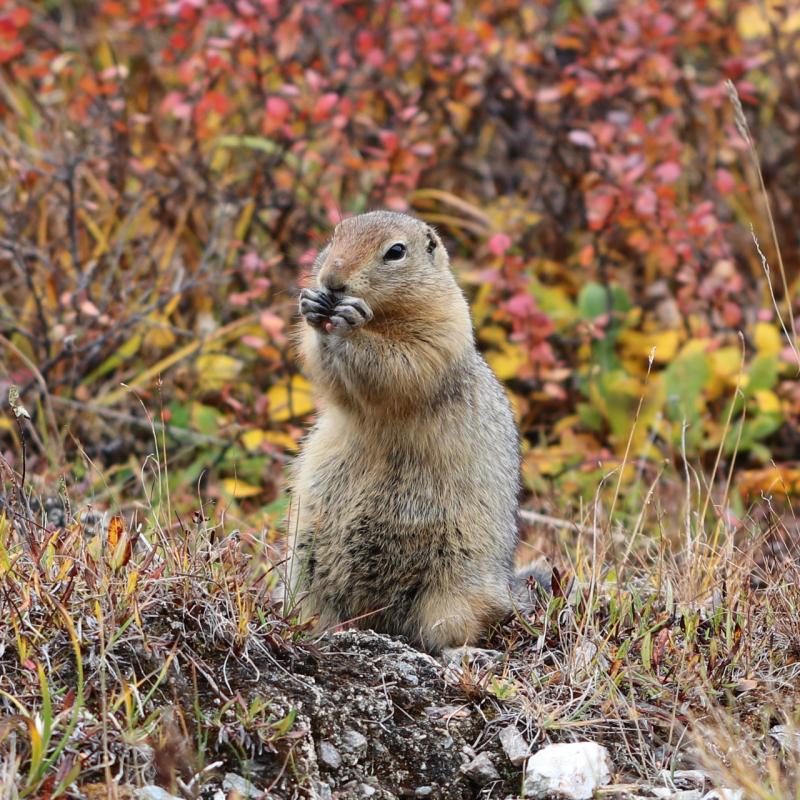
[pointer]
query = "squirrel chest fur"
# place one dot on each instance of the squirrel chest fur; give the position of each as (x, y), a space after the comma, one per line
(405, 492)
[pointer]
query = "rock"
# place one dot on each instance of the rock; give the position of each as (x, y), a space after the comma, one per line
(514, 745)
(786, 737)
(329, 755)
(354, 742)
(423, 791)
(458, 657)
(236, 783)
(723, 793)
(320, 791)
(481, 770)
(586, 661)
(669, 794)
(682, 777)
(571, 770)
(154, 793)
(408, 673)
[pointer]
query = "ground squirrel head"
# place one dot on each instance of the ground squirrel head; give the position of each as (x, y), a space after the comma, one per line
(385, 257)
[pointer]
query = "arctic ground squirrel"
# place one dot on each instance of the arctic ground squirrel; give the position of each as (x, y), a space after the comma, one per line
(405, 493)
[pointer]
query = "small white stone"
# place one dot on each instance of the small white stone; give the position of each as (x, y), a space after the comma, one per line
(570, 770)
(723, 793)
(514, 745)
(236, 783)
(154, 793)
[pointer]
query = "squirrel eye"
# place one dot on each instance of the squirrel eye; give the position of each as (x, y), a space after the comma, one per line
(395, 252)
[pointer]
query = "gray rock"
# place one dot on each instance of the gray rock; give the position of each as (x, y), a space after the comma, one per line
(787, 738)
(353, 742)
(329, 755)
(320, 791)
(236, 783)
(423, 791)
(481, 770)
(514, 745)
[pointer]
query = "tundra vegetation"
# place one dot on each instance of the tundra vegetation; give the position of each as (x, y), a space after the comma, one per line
(618, 184)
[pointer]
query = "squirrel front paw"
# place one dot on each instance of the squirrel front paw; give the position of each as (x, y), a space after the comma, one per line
(348, 314)
(332, 314)
(316, 306)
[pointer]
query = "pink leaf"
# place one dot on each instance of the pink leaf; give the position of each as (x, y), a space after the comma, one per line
(277, 110)
(724, 181)
(499, 243)
(582, 139)
(668, 172)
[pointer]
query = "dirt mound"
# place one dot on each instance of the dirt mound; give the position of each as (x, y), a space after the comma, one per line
(375, 718)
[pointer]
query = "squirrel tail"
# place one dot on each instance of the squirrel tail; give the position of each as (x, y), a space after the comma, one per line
(533, 583)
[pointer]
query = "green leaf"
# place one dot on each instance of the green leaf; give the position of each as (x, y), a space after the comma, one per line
(594, 301)
(685, 378)
(763, 373)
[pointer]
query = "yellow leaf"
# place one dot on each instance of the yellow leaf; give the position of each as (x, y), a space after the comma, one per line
(252, 439)
(751, 22)
(160, 335)
(281, 439)
(767, 339)
(214, 370)
(133, 580)
(726, 362)
(493, 334)
(460, 114)
(767, 401)
(506, 362)
(775, 479)
(663, 344)
(238, 488)
(63, 572)
(290, 398)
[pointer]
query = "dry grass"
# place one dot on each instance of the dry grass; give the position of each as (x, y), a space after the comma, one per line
(677, 648)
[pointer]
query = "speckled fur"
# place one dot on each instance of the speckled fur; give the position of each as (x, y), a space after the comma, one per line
(405, 492)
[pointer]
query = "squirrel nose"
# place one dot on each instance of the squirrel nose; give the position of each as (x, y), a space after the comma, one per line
(333, 283)
(331, 276)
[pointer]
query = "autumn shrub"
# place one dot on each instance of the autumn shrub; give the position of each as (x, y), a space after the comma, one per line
(171, 167)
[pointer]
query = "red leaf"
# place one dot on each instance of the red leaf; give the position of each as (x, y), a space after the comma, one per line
(599, 205)
(20, 16)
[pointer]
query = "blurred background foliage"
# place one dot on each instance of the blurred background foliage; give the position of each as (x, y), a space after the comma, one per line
(170, 168)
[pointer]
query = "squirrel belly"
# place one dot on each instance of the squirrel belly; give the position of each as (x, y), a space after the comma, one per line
(404, 511)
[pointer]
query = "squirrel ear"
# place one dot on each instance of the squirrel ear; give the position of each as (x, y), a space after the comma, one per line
(431, 243)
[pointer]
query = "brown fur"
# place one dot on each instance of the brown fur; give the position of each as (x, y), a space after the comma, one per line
(405, 493)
